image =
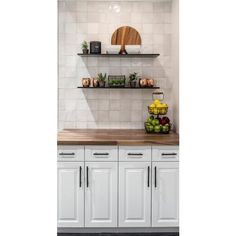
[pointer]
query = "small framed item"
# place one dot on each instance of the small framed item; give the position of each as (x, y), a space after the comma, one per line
(95, 47)
(116, 81)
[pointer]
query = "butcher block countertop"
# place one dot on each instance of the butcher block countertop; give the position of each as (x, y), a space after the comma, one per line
(114, 137)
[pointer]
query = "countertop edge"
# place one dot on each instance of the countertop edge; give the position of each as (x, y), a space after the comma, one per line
(114, 137)
(117, 143)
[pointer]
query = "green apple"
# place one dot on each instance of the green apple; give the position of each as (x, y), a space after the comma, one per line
(151, 128)
(165, 129)
(149, 120)
(157, 129)
(155, 122)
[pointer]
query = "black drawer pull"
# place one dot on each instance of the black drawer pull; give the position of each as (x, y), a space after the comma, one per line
(101, 154)
(135, 154)
(148, 176)
(169, 154)
(66, 153)
(87, 175)
(155, 177)
(80, 176)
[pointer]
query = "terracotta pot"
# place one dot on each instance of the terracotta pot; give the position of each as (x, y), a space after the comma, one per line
(95, 83)
(86, 82)
(143, 83)
(150, 82)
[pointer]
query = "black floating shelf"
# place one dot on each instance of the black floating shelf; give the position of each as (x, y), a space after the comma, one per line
(118, 87)
(118, 55)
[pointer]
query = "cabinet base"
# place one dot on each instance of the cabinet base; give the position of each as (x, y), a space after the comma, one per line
(150, 231)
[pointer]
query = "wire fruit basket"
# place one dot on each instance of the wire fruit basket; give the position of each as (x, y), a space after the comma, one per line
(157, 110)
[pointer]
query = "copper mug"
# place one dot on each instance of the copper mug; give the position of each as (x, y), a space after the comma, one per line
(95, 82)
(86, 82)
(150, 82)
(143, 83)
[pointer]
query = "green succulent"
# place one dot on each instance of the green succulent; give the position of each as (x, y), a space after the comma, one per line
(84, 45)
(133, 76)
(102, 77)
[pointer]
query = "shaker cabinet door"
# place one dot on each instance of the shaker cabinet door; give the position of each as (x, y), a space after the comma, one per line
(134, 194)
(101, 194)
(70, 193)
(165, 194)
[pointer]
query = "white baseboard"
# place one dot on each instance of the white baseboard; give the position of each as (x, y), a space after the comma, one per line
(118, 230)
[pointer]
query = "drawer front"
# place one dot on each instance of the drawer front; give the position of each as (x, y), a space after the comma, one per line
(70, 153)
(101, 153)
(165, 153)
(135, 153)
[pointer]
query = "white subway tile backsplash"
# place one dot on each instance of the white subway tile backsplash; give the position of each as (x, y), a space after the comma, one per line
(136, 105)
(70, 28)
(103, 105)
(92, 28)
(114, 105)
(103, 116)
(114, 116)
(96, 21)
(81, 6)
(82, 17)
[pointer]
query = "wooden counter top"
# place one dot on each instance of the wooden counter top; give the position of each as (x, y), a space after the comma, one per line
(114, 137)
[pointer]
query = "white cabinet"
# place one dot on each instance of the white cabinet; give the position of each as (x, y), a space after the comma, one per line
(135, 194)
(101, 194)
(165, 194)
(110, 186)
(70, 194)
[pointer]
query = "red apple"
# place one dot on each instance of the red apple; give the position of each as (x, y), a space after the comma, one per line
(165, 120)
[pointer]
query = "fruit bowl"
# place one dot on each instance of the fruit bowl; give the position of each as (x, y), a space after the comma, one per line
(161, 130)
(157, 110)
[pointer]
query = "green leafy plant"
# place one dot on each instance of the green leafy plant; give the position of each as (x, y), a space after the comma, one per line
(84, 45)
(101, 77)
(133, 76)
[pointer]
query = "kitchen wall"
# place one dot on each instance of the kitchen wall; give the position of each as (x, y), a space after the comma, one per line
(97, 20)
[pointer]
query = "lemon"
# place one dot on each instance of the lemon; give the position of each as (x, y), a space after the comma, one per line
(152, 105)
(156, 101)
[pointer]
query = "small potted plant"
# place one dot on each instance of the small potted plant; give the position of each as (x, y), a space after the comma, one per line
(102, 79)
(85, 47)
(133, 79)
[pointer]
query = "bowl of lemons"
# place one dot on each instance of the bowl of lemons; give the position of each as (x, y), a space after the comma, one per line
(158, 108)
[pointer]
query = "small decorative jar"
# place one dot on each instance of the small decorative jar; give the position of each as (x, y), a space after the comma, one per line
(95, 82)
(86, 82)
(150, 82)
(143, 83)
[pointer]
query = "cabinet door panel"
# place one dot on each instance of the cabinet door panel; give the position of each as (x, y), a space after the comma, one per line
(134, 194)
(70, 195)
(101, 194)
(165, 194)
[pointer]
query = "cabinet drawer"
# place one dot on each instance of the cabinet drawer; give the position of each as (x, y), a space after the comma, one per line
(70, 153)
(101, 153)
(168, 153)
(134, 153)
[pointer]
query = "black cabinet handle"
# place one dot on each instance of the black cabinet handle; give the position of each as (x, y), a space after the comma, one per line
(148, 176)
(66, 153)
(80, 176)
(87, 176)
(135, 154)
(169, 154)
(155, 176)
(101, 154)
